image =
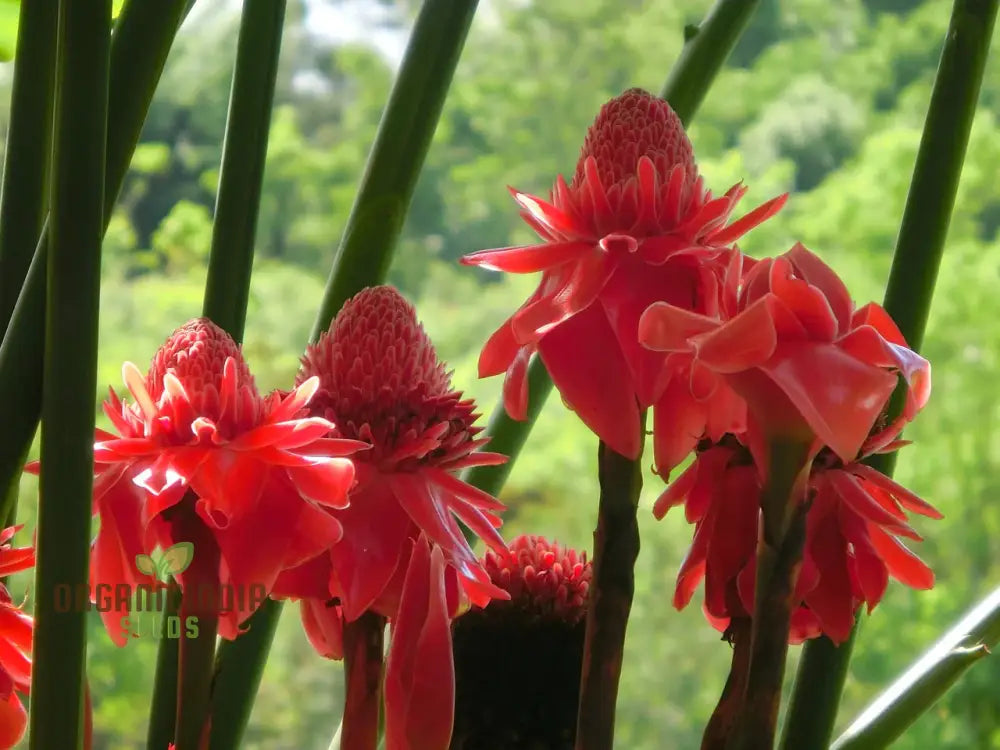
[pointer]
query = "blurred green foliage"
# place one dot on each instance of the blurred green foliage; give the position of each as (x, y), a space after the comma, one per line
(824, 99)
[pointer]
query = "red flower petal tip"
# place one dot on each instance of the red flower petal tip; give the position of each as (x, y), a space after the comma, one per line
(630, 126)
(542, 577)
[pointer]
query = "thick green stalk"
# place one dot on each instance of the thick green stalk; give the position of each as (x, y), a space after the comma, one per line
(242, 173)
(616, 547)
(162, 715)
(706, 49)
(142, 37)
(362, 260)
(226, 293)
(70, 373)
(23, 199)
(919, 247)
(396, 158)
(917, 689)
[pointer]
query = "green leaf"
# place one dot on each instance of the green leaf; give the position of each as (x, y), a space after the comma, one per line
(177, 558)
(145, 565)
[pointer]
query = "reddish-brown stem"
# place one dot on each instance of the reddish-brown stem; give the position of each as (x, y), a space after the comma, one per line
(616, 547)
(364, 641)
(720, 725)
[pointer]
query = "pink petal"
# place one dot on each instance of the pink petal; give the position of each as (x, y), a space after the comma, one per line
(838, 396)
(528, 258)
(588, 368)
(741, 226)
(903, 565)
(667, 328)
(810, 268)
(420, 671)
(375, 532)
(746, 341)
(325, 482)
(515, 386)
(678, 424)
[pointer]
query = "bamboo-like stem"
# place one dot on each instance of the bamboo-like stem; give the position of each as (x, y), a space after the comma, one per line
(23, 197)
(920, 686)
(142, 37)
(616, 547)
(397, 156)
(919, 248)
(364, 641)
(242, 173)
(163, 711)
(70, 374)
(200, 598)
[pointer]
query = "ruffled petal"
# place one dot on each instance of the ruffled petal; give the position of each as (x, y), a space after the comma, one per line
(528, 258)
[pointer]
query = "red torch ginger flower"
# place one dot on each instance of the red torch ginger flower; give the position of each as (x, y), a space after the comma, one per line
(635, 226)
(531, 646)
(382, 383)
(810, 367)
(854, 521)
(15, 644)
(199, 452)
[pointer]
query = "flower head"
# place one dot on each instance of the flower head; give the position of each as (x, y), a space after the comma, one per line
(852, 546)
(200, 452)
(15, 644)
(538, 638)
(635, 226)
(809, 366)
(403, 554)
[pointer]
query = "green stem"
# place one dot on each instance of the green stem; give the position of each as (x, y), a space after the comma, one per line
(919, 247)
(917, 689)
(403, 137)
(199, 606)
(616, 547)
(143, 34)
(706, 49)
(164, 701)
(779, 558)
(70, 373)
(364, 641)
(242, 173)
(23, 199)
(239, 669)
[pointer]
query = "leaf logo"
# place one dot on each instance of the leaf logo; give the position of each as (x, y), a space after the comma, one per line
(174, 559)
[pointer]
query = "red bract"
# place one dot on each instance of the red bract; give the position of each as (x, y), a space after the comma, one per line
(635, 226)
(199, 448)
(810, 367)
(543, 578)
(852, 546)
(382, 383)
(15, 644)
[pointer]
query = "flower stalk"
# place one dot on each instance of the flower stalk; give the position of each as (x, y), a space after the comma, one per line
(616, 547)
(70, 372)
(720, 724)
(364, 644)
(779, 557)
(919, 248)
